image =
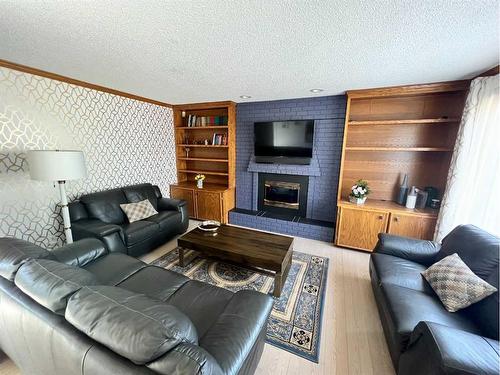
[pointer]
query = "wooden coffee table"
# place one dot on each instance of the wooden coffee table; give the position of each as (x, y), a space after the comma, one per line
(270, 254)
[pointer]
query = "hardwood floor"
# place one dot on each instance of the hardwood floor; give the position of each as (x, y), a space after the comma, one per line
(352, 341)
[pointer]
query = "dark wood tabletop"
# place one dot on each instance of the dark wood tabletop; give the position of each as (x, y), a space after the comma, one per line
(242, 246)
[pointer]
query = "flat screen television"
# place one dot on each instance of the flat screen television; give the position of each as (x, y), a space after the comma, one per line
(284, 142)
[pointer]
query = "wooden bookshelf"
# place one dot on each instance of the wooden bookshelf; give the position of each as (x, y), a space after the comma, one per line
(390, 132)
(216, 162)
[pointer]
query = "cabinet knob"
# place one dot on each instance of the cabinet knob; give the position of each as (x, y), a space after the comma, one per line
(380, 217)
(396, 218)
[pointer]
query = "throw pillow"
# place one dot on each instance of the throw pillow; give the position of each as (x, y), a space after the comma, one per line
(455, 284)
(138, 211)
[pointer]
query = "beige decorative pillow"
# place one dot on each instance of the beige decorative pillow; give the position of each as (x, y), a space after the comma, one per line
(455, 284)
(138, 211)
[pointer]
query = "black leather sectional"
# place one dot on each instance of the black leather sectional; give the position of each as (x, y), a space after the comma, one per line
(424, 338)
(82, 309)
(99, 215)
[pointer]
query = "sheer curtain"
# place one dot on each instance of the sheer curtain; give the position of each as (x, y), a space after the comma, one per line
(472, 194)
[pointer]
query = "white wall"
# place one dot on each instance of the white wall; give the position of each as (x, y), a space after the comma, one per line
(125, 141)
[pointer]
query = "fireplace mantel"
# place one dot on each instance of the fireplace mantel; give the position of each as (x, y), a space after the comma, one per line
(312, 169)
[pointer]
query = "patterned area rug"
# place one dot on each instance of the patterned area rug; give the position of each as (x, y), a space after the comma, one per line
(295, 322)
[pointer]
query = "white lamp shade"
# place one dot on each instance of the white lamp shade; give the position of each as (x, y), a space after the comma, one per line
(56, 165)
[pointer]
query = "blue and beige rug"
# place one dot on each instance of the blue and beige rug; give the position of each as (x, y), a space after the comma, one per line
(295, 322)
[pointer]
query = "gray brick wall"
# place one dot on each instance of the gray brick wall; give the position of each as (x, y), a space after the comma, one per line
(328, 113)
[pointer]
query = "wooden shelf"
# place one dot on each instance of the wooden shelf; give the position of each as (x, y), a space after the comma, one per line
(412, 149)
(206, 159)
(427, 121)
(375, 204)
(206, 186)
(203, 172)
(202, 127)
(214, 146)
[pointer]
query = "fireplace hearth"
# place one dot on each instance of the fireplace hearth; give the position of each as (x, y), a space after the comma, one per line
(283, 194)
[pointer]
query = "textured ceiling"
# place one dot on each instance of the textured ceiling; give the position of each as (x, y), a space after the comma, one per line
(189, 51)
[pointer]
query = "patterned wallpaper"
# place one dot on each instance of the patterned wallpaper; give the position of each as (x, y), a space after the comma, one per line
(125, 141)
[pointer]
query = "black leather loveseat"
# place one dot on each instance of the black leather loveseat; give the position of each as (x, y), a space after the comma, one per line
(423, 337)
(81, 310)
(99, 215)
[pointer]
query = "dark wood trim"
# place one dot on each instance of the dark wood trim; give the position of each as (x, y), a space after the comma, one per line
(204, 105)
(490, 72)
(72, 81)
(428, 88)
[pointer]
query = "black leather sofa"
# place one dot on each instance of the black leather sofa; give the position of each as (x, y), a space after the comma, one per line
(99, 215)
(424, 338)
(83, 310)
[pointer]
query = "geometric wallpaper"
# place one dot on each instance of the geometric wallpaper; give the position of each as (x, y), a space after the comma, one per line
(125, 141)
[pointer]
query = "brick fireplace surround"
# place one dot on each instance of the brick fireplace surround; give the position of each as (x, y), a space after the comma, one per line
(328, 113)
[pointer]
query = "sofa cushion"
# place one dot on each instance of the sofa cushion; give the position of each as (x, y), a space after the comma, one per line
(137, 193)
(202, 303)
(138, 210)
(155, 282)
(398, 271)
(14, 252)
(478, 249)
(105, 206)
(166, 219)
(455, 284)
(132, 325)
(404, 308)
(113, 268)
(139, 231)
(51, 283)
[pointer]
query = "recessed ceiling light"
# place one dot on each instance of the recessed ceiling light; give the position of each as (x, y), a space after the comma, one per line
(245, 96)
(315, 91)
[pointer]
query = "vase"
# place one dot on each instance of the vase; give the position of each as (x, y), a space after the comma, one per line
(357, 200)
(199, 184)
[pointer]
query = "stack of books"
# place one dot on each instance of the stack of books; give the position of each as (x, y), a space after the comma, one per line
(219, 139)
(195, 121)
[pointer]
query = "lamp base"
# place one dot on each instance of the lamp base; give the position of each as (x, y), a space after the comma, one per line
(65, 212)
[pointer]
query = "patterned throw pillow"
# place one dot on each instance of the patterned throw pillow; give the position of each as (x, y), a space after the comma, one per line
(138, 211)
(455, 284)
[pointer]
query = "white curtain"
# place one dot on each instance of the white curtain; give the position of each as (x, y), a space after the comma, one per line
(472, 193)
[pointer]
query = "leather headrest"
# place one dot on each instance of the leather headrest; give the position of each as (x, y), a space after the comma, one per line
(15, 252)
(132, 325)
(51, 283)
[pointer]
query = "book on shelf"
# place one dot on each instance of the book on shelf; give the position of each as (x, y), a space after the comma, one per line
(203, 121)
(219, 139)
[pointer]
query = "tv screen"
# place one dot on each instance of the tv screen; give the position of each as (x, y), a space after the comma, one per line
(288, 139)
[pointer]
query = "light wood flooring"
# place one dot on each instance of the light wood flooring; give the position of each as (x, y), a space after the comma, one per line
(352, 341)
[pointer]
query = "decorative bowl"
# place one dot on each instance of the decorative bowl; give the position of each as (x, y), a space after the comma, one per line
(209, 226)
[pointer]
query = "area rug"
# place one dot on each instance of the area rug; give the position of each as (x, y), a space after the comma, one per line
(295, 322)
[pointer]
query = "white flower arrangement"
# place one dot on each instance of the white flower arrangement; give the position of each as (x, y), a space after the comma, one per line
(360, 189)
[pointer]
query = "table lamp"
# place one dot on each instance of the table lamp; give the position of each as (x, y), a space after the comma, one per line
(60, 166)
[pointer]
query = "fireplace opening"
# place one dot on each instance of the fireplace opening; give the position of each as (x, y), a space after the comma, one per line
(283, 194)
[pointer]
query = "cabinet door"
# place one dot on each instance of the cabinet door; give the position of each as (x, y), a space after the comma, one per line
(187, 195)
(412, 226)
(359, 228)
(209, 205)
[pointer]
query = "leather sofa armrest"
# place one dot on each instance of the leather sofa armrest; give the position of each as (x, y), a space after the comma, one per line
(110, 234)
(166, 204)
(81, 252)
(437, 349)
(231, 338)
(419, 251)
(186, 358)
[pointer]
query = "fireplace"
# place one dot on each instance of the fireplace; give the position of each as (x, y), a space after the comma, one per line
(283, 194)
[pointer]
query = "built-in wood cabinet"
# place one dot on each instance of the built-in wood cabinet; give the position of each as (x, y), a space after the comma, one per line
(206, 147)
(358, 229)
(213, 202)
(358, 226)
(390, 132)
(411, 225)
